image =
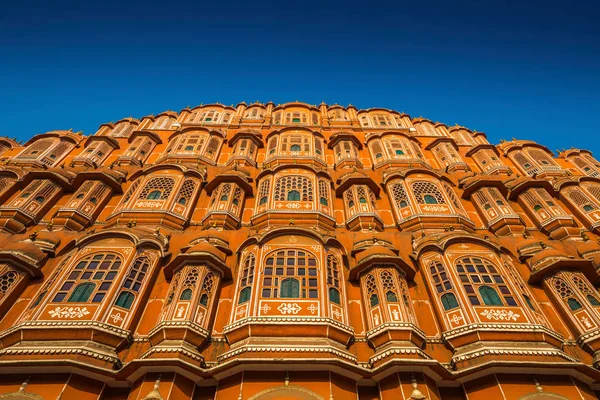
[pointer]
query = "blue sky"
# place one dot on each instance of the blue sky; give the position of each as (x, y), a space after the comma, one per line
(527, 69)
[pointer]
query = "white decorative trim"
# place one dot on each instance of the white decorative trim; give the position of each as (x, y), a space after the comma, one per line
(288, 321)
(287, 349)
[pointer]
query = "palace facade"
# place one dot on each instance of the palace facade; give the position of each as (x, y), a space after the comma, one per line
(295, 251)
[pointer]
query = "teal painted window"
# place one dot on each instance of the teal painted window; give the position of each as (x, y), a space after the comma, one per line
(125, 300)
(574, 304)
(374, 300)
(429, 199)
(334, 296)
(593, 301)
(186, 294)
(449, 301)
(204, 299)
(490, 296)
(82, 293)
(154, 195)
(245, 295)
(290, 289)
(293, 195)
(391, 297)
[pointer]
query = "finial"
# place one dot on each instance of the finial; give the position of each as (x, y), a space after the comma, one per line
(292, 222)
(416, 393)
(154, 394)
(157, 231)
(538, 387)
(24, 385)
(33, 236)
(542, 244)
(50, 225)
(287, 378)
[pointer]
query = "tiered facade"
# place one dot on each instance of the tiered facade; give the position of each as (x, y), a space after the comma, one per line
(296, 252)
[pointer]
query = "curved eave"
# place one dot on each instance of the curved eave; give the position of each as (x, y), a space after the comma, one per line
(111, 142)
(582, 265)
(441, 244)
(208, 130)
(508, 147)
(528, 183)
(378, 259)
(212, 260)
(256, 138)
(339, 136)
(137, 238)
(477, 182)
(379, 135)
(62, 178)
(113, 179)
(442, 139)
(284, 166)
(63, 135)
(293, 128)
(233, 178)
(22, 262)
(151, 135)
(260, 239)
(482, 146)
(186, 171)
(345, 183)
(403, 173)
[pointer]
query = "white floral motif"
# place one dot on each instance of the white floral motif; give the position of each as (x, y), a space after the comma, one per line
(500, 315)
(313, 308)
(265, 308)
(293, 205)
(289, 308)
(69, 312)
(116, 317)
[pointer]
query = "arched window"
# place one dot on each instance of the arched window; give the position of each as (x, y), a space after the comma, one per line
(186, 294)
(125, 300)
(206, 289)
(157, 188)
(574, 304)
(374, 300)
(290, 274)
(372, 290)
(134, 280)
(204, 300)
(247, 278)
(480, 279)
(442, 284)
(293, 188)
(389, 286)
(593, 300)
(449, 301)
(427, 192)
(245, 295)
(295, 147)
(97, 268)
(565, 291)
(333, 279)
(334, 296)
